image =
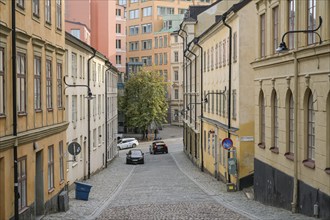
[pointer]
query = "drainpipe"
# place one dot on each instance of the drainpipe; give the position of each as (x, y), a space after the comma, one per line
(183, 70)
(107, 63)
(229, 76)
(89, 116)
(202, 106)
(13, 29)
(195, 61)
(190, 62)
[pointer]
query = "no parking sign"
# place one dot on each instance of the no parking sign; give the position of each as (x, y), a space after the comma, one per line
(227, 143)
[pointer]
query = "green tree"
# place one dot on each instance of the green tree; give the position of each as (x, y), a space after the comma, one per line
(144, 100)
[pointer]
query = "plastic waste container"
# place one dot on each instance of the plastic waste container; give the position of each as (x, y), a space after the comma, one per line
(82, 190)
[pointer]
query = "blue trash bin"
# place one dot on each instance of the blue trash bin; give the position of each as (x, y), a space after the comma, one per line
(82, 190)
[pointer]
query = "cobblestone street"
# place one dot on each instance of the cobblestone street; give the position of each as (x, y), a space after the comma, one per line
(167, 186)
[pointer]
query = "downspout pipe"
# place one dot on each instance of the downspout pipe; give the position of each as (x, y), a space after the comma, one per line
(190, 63)
(196, 40)
(195, 61)
(109, 65)
(229, 82)
(186, 70)
(14, 89)
(89, 115)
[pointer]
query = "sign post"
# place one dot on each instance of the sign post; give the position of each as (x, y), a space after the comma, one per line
(74, 149)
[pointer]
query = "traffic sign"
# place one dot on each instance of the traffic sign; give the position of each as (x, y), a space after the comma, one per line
(227, 143)
(74, 148)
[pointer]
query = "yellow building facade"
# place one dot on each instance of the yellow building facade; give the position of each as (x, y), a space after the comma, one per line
(218, 122)
(39, 132)
(292, 113)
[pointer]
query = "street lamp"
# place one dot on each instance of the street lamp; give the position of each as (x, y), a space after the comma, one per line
(283, 48)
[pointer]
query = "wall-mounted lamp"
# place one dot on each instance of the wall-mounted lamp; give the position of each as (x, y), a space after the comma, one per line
(217, 93)
(89, 96)
(283, 48)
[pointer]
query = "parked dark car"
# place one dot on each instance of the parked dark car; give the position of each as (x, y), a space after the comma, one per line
(158, 147)
(153, 144)
(135, 156)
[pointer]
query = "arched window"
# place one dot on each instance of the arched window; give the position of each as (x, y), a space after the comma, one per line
(290, 123)
(262, 120)
(275, 137)
(310, 129)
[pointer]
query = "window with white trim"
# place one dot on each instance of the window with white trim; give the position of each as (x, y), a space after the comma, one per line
(262, 119)
(147, 11)
(292, 26)
(61, 160)
(275, 28)
(146, 28)
(291, 124)
(275, 121)
(58, 14)
(311, 129)
(21, 82)
(59, 85)
(48, 9)
(74, 65)
(134, 30)
(37, 83)
(311, 21)
(22, 183)
(50, 167)
(263, 35)
(134, 14)
(36, 7)
(74, 110)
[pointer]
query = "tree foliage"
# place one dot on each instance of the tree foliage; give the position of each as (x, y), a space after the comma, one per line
(144, 100)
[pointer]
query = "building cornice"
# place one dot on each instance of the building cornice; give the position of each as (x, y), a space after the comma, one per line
(32, 135)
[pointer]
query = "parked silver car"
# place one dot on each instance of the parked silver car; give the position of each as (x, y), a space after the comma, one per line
(127, 143)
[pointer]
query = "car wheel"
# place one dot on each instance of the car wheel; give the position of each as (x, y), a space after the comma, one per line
(134, 145)
(118, 148)
(142, 162)
(127, 162)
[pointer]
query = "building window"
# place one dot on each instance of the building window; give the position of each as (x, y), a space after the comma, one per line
(156, 42)
(146, 28)
(20, 3)
(147, 11)
(311, 16)
(37, 83)
(58, 14)
(208, 59)
(275, 28)
(36, 7)
(59, 85)
(2, 81)
(134, 45)
(21, 82)
(61, 157)
(50, 167)
(122, 2)
(118, 59)
(22, 183)
(275, 120)
(165, 41)
(48, 10)
(165, 58)
(204, 61)
(134, 30)
(74, 110)
(182, 11)
(160, 42)
(75, 33)
(212, 58)
(146, 44)
(204, 140)
(262, 35)
(74, 65)
(224, 53)
(262, 119)
(134, 14)
(118, 44)
(100, 136)
(235, 47)
(291, 123)
(156, 59)
(49, 92)
(165, 11)
(134, 1)
(176, 75)
(118, 12)
(220, 54)
(234, 104)
(328, 132)
(311, 129)
(167, 24)
(292, 15)
(118, 28)
(146, 60)
(160, 59)
(216, 56)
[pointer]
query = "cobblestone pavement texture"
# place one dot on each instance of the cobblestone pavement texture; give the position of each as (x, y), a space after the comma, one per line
(183, 192)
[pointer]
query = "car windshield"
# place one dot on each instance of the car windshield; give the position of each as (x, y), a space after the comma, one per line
(136, 153)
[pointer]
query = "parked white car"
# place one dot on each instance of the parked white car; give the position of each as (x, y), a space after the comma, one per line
(127, 143)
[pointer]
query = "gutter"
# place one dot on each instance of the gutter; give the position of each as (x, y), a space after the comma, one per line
(109, 64)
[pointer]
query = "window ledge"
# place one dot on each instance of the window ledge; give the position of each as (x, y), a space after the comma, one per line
(309, 163)
(275, 150)
(21, 114)
(289, 156)
(94, 148)
(327, 170)
(51, 190)
(49, 109)
(2, 116)
(261, 145)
